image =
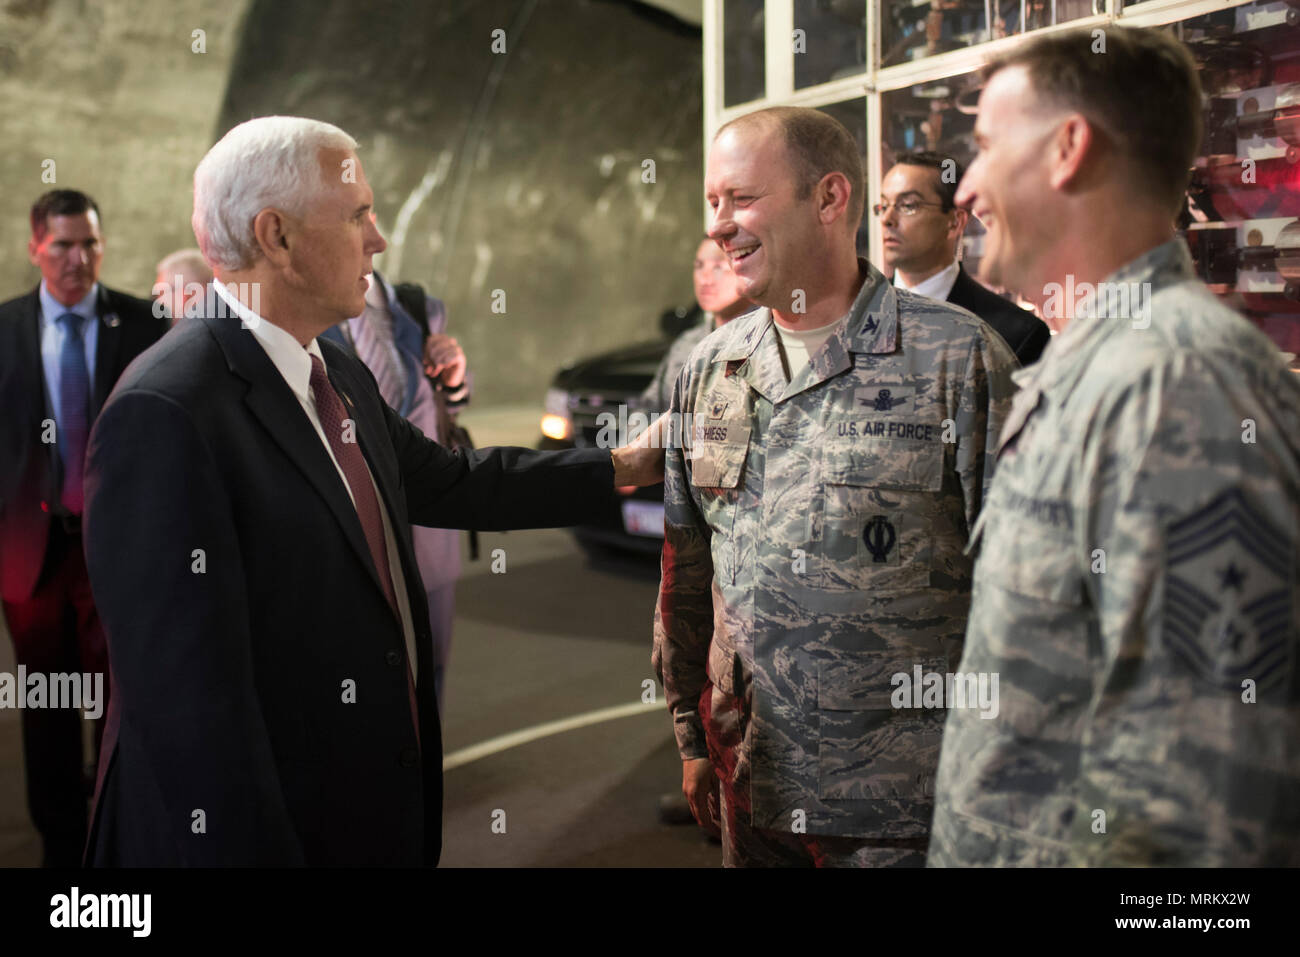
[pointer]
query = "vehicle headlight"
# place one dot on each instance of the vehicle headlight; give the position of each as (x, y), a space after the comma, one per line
(556, 423)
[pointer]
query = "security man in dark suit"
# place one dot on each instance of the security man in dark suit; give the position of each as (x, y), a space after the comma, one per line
(62, 347)
(922, 230)
(249, 503)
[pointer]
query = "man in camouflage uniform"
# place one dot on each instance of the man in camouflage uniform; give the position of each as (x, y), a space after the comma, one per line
(814, 532)
(715, 292)
(1136, 580)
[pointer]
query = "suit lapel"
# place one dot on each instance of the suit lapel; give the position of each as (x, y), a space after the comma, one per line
(29, 366)
(271, 400)
(106, 351)
(31, 369)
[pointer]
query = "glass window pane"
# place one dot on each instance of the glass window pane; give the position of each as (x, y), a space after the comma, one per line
(1242, 220)
(830, 40)
(743, 52)
(912, 29)
(853, 114)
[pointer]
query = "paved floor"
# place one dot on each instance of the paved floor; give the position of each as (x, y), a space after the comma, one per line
(550, 638)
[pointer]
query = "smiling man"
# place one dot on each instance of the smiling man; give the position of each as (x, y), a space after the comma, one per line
(814, 531)
(248, 536)
(1138, 561)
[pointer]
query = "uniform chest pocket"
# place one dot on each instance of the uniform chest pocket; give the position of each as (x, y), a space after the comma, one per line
(717, 462)
(881, 498)
(718, 450)
(869, 749)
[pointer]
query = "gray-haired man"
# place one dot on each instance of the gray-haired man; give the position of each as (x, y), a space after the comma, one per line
(248, 537)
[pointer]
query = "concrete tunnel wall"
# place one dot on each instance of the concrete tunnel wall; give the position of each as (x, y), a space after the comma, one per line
(521, 171)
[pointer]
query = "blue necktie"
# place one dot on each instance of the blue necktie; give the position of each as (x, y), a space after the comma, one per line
(74, 410)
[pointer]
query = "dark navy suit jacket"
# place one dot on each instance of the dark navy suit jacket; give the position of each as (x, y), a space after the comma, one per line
(1025, 333)
(31, 472)
(260, 713)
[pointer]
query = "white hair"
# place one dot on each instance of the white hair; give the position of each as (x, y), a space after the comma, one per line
(268, 161)
(187, 261)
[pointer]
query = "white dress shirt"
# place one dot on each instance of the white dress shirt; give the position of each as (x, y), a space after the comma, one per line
(294, 364)
(938, 286)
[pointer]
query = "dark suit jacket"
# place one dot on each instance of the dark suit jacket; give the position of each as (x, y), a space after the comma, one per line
(31, 472)
(241, 606)
(1025, 333)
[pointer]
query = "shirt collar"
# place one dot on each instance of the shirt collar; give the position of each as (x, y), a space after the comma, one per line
(870, 325)
(289, 357)
(52, 309)
(937, 286)
(1160, 267)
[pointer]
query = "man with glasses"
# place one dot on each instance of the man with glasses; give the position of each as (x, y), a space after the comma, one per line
(922, 229)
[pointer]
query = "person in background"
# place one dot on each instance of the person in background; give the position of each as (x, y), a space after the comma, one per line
(922, 234)
(62, 347)
(422, 375)
(174, 289)
(715, 291)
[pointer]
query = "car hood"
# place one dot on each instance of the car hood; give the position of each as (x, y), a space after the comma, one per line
(625, 370)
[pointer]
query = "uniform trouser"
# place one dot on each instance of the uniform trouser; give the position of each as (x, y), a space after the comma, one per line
(57, 631)
(726, 719)
(442, 610)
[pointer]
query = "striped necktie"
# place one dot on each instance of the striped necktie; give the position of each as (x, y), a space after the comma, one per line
(74, 411)
(374, 344)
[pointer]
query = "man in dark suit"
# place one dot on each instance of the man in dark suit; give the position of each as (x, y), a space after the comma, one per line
(250, 498)
(62, 347)
(922, 231)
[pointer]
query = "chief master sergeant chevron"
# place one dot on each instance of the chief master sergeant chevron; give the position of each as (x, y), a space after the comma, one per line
(814, 533)
(1137, 573)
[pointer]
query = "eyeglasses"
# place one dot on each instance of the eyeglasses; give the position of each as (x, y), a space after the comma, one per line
(905, 207)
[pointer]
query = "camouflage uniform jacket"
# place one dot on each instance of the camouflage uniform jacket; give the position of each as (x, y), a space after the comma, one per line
(814, 545)
(1136, 591)
(658, 395)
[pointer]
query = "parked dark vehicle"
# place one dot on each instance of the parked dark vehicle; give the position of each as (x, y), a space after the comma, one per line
(610, 384)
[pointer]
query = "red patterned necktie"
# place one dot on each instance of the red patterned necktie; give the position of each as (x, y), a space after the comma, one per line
(342, 441)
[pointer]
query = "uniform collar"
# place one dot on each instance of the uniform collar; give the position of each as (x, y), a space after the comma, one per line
(871, 326)
(1163, 266)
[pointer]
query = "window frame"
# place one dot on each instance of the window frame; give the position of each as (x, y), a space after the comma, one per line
(871, 83)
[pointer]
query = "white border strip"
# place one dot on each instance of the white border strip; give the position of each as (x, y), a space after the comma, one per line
(515, 738)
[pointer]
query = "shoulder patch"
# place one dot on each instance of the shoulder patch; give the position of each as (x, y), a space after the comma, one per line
(1228, 604)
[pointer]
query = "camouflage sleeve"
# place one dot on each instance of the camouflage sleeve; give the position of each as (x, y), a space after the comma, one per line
(683, 626)
(1189, 537)
(983, 405)
(655, 398)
